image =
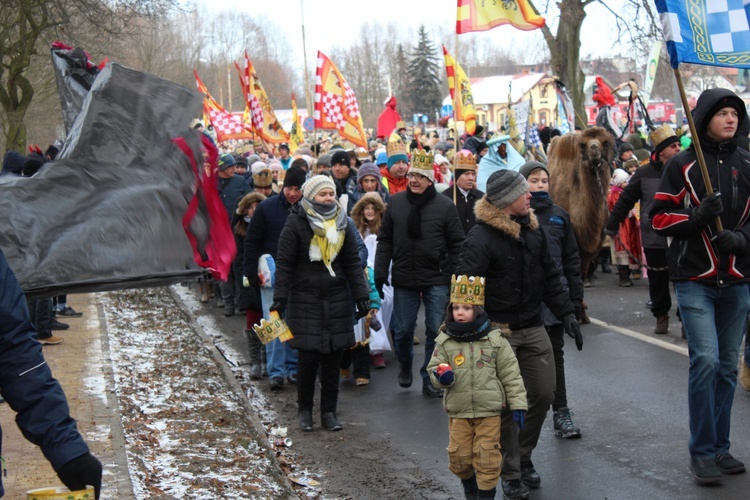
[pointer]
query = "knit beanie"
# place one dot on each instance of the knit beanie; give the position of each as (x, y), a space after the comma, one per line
(315, 184)
(530, 166)
(295, 177)
(619, 176)
(340, 157)
(13, 162)
(253, 158)
(325, 160)
(275, 165)
(381, 158)
(368, 168)
(504, 187)
(625, 146)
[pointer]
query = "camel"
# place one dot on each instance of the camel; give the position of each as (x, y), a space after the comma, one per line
(579, 182)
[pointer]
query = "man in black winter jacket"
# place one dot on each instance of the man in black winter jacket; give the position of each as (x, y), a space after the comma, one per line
(710, 267)
(642, 187)
(464, 190)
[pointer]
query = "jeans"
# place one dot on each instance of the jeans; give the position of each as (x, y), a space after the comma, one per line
(747, 346)
(714, 319)
(281, 360)
(405, 310)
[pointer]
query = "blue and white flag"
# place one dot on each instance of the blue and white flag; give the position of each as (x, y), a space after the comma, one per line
(711, 32)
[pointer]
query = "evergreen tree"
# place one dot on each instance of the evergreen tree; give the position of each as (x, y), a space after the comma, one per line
(400, 75)
(424, 70)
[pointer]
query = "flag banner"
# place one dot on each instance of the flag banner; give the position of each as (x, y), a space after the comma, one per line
(483, 15)
(565, 109)
(521, 112)
(563, 124)
(262, 117)
(226, 125)
(461, 96)
(244, 82)
(710, 32)
(335, 103)
(651, 67)
(295, 135)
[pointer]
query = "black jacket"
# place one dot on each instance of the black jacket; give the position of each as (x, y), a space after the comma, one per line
(264, 231)
(465, 205)
(428, 261)
(642, 186)
(691, 255)
(513, 257)
(563, 248)
(319, 310)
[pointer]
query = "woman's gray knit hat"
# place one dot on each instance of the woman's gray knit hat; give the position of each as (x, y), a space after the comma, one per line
(505, 186)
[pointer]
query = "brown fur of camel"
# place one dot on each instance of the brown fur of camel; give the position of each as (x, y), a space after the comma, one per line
(579, 182)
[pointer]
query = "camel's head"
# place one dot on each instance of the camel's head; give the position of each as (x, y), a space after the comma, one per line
(595, 148)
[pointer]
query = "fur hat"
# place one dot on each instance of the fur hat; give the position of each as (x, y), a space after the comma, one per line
(662, 137)
(368, 168)
(340, 157)
(295, 177)
(619, 176)
(247, 201)
(315, 184)
(504, 187)
(262, 175)
(530, 166)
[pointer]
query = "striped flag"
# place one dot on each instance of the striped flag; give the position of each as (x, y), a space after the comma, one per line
(262, 117)
(460, 89)
(226, 125)
(483, 15)
(335, 103)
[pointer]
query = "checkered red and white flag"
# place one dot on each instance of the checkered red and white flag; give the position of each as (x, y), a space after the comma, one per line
(262, 117)
(335, 103)
(225, 124)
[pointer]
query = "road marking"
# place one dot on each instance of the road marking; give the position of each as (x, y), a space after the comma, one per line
(645, 338)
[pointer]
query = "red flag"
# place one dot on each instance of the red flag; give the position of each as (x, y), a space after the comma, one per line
(226, 125)
(335, 103)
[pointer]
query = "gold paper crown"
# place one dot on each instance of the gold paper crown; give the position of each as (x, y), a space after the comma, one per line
(362, 153)
(396, 147)
(400, 125)
(467, 290)
(464, 162)
(269, 330)
(422, 160)
(660, 134)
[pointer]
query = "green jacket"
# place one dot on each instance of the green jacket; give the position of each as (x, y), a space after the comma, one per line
(486, 380)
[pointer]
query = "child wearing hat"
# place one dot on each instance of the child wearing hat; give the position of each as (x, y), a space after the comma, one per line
(475, 366)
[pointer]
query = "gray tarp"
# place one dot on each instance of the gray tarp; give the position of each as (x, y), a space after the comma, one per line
(108, 213)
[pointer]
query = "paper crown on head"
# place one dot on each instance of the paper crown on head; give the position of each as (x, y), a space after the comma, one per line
(362, 153)
(660, 134)
(400, 125)
(467, 290)
(463, 161)
(422, 162)
(396, 147)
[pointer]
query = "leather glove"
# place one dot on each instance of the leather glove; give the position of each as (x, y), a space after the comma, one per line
(279, 305)
(82, 471)
(379, 283)
(518, 416)
(579, 310)
(444, 374)
(731, 242)
(570, 323)
(709, 209)
(363, 307)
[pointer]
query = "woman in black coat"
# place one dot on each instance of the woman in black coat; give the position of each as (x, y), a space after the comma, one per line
(318, 272)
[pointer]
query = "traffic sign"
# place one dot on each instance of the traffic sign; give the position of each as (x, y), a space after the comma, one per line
(446, 110)
(308, 124)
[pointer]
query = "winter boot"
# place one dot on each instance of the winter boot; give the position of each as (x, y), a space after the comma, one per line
(263, 365)
(486, 494)
(529, 475)
(330, 421)
(470, 487)
(255, 346)
(563, 424)
(305, 420)
(514, 489)
(662, 324)
(604, 257)
(624, 273)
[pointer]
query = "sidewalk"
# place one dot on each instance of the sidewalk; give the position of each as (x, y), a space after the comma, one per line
(81, 366)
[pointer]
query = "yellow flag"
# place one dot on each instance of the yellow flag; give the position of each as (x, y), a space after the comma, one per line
(483, 15)
(460, 89)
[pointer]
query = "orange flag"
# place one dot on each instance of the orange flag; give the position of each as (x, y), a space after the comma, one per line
(226, 125)
(481, 15)
(335, 103)
(262, 117)
(460, 89)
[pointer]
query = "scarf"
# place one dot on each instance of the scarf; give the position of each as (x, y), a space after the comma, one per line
(414, 222)
(469, 331)
(328, 222)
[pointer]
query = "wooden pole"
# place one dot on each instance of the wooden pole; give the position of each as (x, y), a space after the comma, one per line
(456, 147)
(696, 141)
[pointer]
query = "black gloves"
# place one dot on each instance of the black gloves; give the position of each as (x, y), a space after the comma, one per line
(82, 471)
(379, 283)
(611, 228)
(730, 242)
(579, 310)
(709, 209)
(570, 323)
(363, 307)
(279, 305)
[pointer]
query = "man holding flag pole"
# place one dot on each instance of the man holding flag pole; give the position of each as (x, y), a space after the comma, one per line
(709, 255)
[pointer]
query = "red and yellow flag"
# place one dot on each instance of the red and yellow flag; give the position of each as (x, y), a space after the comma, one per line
(483, 15)
(262, 117)
(463, 100)
(226, 125)
(335, 103)
(295, 135)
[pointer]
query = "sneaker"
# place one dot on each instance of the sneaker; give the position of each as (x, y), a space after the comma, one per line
(514, 489)
(362, 381)
(51, 340)
(416, 340)
(378, 361)
(662, 325)
(745, 376)
(69, 312)
(56, 325)
(706, 471)
(727, 464)
(277, 383)
(529, 475)
(564, 424)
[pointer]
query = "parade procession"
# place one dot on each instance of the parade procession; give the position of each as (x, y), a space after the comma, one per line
(327, 250)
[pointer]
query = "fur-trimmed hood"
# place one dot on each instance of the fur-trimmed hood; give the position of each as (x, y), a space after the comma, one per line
(247, 201)
(495, 217)
(359, 207)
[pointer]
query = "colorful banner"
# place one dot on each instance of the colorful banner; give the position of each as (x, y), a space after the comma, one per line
(460, 89)
(295, 135)
(225, 124)
(483, 15)
(650, 76)
(262, 117)
(335, 103)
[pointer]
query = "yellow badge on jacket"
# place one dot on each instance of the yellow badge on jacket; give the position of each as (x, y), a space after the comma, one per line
(459, 360)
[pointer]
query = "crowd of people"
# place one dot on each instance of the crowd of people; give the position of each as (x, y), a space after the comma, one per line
(346, 246)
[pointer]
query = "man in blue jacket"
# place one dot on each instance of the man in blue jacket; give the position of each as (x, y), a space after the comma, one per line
(27, 385)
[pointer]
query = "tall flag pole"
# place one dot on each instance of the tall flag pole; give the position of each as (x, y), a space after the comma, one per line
(481, 15)
(226, 125)
(709, 33)
(460, 90)
(262, 117)
(336, 105)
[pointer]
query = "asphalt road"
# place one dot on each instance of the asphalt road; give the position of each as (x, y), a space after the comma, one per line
(627, 390)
